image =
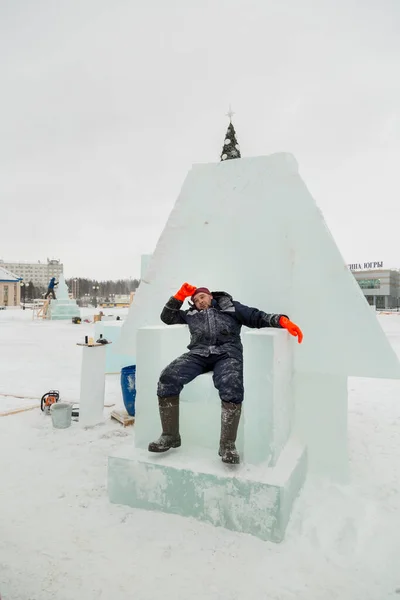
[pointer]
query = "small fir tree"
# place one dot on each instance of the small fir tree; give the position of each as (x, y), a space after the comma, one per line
(230, 148)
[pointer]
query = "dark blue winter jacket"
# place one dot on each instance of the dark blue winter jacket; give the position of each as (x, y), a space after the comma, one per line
(217, 329)
(52, 283)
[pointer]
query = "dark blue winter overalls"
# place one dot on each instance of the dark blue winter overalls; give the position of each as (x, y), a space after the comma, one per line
(215, 345)
(50, 288)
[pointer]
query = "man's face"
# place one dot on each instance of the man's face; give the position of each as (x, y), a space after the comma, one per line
(202, 301)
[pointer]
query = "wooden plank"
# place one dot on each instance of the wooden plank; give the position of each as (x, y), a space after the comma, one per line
(42, 312)
(23, 397)
(18, 410)
(122, 417)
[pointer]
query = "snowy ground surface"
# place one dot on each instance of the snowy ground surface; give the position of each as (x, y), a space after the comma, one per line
(60, 539)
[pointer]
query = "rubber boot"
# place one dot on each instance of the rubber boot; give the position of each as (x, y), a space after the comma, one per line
(169, 415)
(230, 417)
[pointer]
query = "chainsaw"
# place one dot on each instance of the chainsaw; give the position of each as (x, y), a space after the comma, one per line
(48, 399)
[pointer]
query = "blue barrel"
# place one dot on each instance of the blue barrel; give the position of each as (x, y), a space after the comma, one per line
(128, 386)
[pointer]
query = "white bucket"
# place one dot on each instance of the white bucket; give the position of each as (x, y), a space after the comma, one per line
(61, 413)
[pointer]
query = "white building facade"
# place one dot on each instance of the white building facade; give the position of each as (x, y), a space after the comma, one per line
(39, 273)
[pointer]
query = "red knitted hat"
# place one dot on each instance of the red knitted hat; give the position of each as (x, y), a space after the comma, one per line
(200, 290)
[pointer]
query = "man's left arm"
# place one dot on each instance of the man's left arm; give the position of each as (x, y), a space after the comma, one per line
(255, 318)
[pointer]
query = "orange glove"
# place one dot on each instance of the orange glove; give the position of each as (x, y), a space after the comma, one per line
(185, 291)
(292, 328)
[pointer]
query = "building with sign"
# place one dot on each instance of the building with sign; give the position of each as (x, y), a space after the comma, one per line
(381, 287)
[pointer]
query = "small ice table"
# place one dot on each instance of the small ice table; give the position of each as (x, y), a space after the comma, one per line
(91, 404)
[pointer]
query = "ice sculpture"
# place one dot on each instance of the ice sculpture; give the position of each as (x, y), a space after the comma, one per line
(144, 263)
(111, 330)
(250, 227)
(63, 307)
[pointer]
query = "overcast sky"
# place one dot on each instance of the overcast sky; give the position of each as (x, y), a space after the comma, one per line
(105, 105)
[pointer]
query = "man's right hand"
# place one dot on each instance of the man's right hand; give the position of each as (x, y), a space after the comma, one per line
(185, 292)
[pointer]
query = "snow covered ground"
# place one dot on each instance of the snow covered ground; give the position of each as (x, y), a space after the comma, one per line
(61, 539)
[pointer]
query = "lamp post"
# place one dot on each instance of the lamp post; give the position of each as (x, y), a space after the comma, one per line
(95, 292)
(23, 285)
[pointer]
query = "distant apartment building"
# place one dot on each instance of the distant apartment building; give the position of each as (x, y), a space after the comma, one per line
(39, 273)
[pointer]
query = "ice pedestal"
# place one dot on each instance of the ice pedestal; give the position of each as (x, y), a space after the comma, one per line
(269, 409)
(63, 307)
(197, 484)
(254, 497)
(91, 402)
